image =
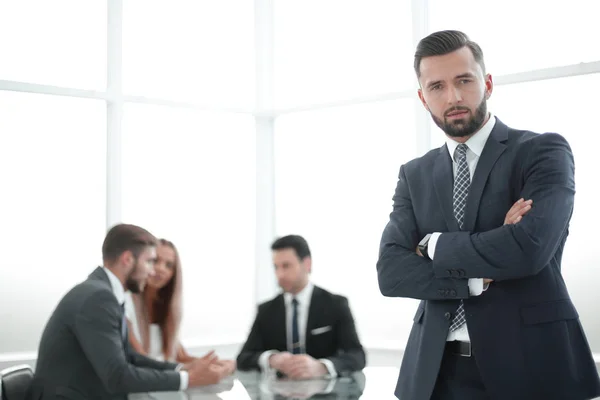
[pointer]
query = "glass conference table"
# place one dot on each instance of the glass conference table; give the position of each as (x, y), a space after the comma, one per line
(374, 383)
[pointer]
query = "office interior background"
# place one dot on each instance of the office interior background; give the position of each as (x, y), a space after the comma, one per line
(221, 125)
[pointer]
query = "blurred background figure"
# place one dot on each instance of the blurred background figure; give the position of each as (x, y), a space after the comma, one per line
(154, 315)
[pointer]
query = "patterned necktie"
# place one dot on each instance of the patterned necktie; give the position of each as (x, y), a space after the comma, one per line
(295, 332)
(462, 181)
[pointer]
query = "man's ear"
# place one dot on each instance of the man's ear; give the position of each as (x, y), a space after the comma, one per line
(308, 263)
(127, 260)
(422, 98)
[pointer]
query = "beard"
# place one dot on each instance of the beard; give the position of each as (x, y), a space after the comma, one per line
(465, 126)
(134, 285)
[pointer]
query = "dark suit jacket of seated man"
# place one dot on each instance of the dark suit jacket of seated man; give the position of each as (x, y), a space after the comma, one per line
(326, 330)
(84, 352)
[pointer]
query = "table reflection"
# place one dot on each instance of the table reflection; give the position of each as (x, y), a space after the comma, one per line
(374, 383)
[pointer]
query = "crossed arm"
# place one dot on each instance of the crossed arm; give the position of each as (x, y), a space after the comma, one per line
(511, 251)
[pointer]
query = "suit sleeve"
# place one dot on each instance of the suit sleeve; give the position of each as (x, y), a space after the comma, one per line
(253, 348)
(400, 271)
(140, 360)
(350, 356)
(523, 249)
(97, 328)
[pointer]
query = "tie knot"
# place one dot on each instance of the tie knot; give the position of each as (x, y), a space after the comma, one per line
(295, 301)
(461, 151)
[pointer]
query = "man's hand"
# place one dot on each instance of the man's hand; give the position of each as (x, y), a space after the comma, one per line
(419, 252)
(303, 366)
(278, 361)
(228, 365)
(205, 370)
(516, 212)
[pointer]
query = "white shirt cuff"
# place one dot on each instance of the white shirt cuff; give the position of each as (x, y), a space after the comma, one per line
(330, 368)
(263, 360)
(184, 379)
(432, 243)
(475, 286)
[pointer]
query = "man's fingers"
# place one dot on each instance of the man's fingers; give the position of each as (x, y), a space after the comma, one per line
(520, 208)
(209, 355)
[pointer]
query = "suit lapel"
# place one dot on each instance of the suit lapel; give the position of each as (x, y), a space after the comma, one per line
(313, 316)
(443, 180)
(493, 148)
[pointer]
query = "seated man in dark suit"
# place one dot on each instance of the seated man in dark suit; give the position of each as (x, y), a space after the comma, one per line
(306, 332)
(84, 352)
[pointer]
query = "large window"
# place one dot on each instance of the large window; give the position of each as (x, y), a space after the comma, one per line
(193, 51)
(60, 42)
(338, 49)
(52, 208)
(190, 177)
(518, 35)
(336, 171)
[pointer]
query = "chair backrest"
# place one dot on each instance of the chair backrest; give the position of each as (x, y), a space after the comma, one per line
(15, 382)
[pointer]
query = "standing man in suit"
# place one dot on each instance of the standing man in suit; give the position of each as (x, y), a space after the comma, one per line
(495, 320)
(84, 352)
(306, 332)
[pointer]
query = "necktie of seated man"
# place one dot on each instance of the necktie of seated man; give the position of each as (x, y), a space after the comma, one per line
(295, 332)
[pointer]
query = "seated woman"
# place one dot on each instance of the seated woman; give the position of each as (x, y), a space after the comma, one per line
(154, 316)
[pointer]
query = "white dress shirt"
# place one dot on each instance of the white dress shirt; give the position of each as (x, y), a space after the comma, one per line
(155, 350)
(475, 146)
(303, 297)
(119, 292)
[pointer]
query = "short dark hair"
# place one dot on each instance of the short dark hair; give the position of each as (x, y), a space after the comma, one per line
(296, 242)
(124, 237)
(444, 42)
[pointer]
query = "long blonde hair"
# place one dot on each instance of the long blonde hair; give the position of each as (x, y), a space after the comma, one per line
(167, 310)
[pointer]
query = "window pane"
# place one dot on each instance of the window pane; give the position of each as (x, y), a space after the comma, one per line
(190, 50)
(331, 50)
(190, 177)
(518, 35)
(336, 171)
(551, 111)
(53, 179)
(60, 42)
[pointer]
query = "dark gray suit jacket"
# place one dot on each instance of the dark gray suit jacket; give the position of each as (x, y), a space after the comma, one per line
(525, 331)
(82, 354)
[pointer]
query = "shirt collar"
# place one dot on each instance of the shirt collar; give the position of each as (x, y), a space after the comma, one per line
(475, 142)
(117, 286)
(303, 296)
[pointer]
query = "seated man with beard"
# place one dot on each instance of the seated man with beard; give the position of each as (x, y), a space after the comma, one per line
(84, 352)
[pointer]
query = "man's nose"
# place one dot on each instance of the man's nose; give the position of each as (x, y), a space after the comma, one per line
(454, 95)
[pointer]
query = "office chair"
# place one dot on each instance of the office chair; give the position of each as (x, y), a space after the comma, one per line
(15, 382)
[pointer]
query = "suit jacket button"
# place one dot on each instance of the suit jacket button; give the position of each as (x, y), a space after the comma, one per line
(448, 315)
